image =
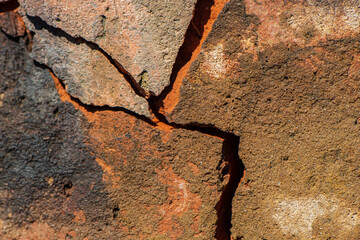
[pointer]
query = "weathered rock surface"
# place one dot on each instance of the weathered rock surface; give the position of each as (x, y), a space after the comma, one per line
(281, 75)
(164, 184)
(144, 36)
(42, 155)
(288, 84)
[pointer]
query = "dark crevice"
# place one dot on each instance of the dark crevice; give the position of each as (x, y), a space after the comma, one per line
(229, 151)
(115, 212)
(236, 171)
(9, 5)
(236, 167)
(192, 40)
(40, 24)
(12, 38)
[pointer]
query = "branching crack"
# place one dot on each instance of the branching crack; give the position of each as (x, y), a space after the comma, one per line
(230, 150)
(194, 37)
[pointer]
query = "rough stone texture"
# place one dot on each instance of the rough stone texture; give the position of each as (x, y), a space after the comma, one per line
(12, 24)
(47, 175)
(288, 84)
(144, 36)
(70, 174)
(282, 75)
(237, 60)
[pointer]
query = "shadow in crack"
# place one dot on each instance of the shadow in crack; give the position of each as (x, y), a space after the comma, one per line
(236, 170)
(87, 107)
(8, 5)
(192, 39)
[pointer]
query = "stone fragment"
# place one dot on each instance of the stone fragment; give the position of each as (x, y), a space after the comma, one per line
(144, 36)
(47, 175)
(87, 73)
(287, 84)
(237, 55)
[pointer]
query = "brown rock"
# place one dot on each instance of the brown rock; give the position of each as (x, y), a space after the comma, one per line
(282, 75)
(230, 59)
(86, 72)
(47, 173)
(164, 184)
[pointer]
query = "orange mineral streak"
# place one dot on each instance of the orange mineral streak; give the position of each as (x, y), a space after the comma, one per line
(79, 216)
(109, 175)
(102, 124)
(65, 97)
(180, 201)
(166, 129)
(172, 98)
(12, 23)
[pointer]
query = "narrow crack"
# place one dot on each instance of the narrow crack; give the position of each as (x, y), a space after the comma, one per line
(78, 104)
(236, 168)
(204, 16)
(194, 37)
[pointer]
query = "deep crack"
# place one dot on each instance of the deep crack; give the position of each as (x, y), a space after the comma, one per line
(192, 39)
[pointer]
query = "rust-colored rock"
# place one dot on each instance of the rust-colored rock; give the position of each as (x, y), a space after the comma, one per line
(163, 184)
(273, 85)
(287, 84)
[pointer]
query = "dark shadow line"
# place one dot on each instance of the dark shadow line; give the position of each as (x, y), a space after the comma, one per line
(94, 108)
